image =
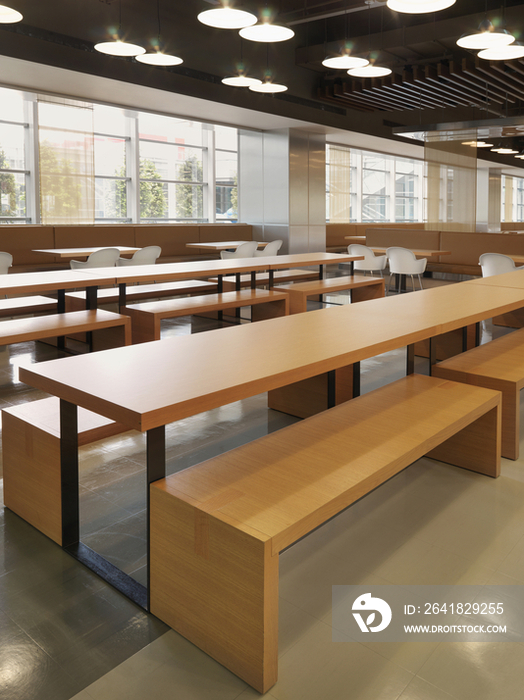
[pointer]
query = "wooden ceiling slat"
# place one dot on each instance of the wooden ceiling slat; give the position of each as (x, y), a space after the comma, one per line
(474, 81)
(494, 79)
(430, 79)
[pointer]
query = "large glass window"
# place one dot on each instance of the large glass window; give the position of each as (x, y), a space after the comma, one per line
(226, 173)
(107, 164)
(13, 170)
(368, 186)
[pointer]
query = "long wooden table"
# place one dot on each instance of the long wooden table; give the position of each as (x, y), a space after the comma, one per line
(181, 381)
(82, 251)
(217, 246)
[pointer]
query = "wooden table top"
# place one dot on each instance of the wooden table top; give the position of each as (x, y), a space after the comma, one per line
(222, 245)
(81, 252)
(513, 279)
(48, 281)
(145, 386)
(212, 268)
(419, 252)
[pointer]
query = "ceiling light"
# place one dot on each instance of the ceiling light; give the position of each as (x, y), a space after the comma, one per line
(119, 48)
(506, 151)
(241, 80)
(502, 53)
(8, 15)
(486, 37)
(227, 18)
(416, 7)
(158, 58)
(477, 144)
(267, 32)
(344, 62)
(370, 71)
(268, 86)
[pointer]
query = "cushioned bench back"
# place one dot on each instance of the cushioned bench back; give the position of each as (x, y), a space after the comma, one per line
(335, 234)
(99, 235)
(210, 233)
(466, 248)
(172, 238)
(21, 240)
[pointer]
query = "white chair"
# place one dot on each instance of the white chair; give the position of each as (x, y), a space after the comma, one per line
(272, 248)
(371, 262)
(496, 264)
(105, 257)
(246, 250)
(144, 256)
(403, 261)
(6, 261)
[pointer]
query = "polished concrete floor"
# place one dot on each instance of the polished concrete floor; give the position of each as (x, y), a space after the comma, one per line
(64, 633)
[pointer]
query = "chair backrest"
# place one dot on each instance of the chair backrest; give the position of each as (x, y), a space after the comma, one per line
(359, 249)
(272, 248)
(6, 261)
(246, 250)
(495, 264)
(403, 261)
(144, 256)
(105, 257)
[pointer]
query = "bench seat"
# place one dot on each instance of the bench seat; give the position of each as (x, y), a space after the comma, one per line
(20, 306)
(499, 365)
(60, 325)
(292, 275)
(362, 288)
(146, 317)
(217, 528)
(76, 301)
(31, 459)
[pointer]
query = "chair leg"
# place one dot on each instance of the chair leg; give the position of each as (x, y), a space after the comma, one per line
(420, 281)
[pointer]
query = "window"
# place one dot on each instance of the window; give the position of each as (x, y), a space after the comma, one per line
(13, 170)
(96, 163)
(226, 173)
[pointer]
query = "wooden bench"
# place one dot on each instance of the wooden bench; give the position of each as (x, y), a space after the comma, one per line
(217, 528)
(76, 301)
(362, 288)
(229, 283)
(21, 306)
(31, 459)
(146, 318)
(499, 365)
(61, 325)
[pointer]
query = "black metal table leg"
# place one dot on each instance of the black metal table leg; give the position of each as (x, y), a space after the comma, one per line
(60, 307)
(122, 296)
(156, 469)
(271, 278)
(69, 473)
(477, 334)
(432, 353)
(356, 379)
(253, 279)
(220, 289)
(331, 388)
(464, 339)
(410, 359)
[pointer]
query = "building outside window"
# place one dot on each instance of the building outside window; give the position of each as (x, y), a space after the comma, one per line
(226, 173)
(14, 134)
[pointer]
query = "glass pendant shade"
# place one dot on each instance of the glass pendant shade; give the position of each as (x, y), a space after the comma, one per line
(477, 144)
(157, 58)
(502, 53)
(119, 48)
(227, 18)
(9, 16)
(487, 37)
(268, 87)
(506, 151)
(267, 33)
(345, 62)
(370, 71)
(418, 7)
(241, 80)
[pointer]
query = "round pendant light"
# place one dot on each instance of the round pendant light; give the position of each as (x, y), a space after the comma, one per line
(9, 16)
(418, 7)
(370, 71)
(267, 32)
(506, 151)
(486, 37)
(158, 58)
(227, 18)
(344, 62)
(241, 80)
(502, 53)
(268, 87)
(477, 144)
(119, 48)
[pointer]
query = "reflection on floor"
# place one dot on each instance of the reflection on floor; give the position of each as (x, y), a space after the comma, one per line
(64, 633)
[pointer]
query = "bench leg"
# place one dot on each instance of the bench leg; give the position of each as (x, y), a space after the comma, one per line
(216, 586)
(370, 291)
(272, 309)
(297, 302)
(475, 447)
